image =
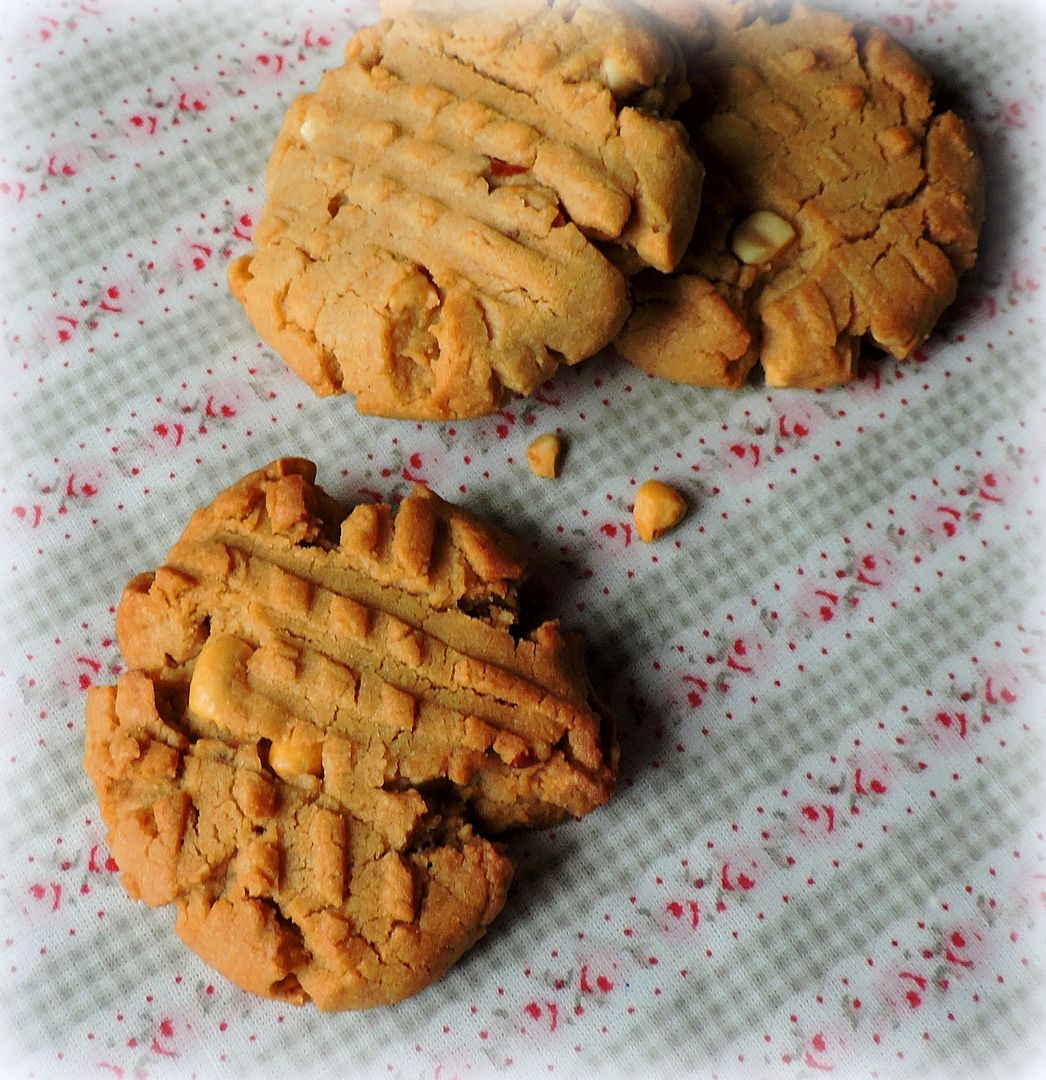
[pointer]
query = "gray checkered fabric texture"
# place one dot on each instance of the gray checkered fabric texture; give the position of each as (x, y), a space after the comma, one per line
(827, 849)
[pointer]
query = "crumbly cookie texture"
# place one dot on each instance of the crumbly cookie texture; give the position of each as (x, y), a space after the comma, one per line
(324, 718)
(840, 204)
(694, 23)
(445, 214)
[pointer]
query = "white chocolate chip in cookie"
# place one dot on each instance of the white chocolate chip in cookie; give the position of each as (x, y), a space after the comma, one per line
(617, 77)
(761, 237)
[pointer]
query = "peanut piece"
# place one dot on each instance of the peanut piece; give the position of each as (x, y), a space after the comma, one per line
(295, 758)
(543, 456)
(800, 60)
(760, 237)
(657, 509)
(896, 142)
(618, 75)
(219, 679)
(379, 133)
(848, 97)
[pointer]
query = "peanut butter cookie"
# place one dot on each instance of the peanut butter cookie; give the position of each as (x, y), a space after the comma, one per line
(325, 717)
(841, 203)
(445, 213)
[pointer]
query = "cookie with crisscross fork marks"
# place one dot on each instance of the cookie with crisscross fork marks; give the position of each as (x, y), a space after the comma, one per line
(842, 203)
(449, 216)
(325, 716)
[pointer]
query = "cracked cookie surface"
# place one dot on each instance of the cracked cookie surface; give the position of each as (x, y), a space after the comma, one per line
(325, 717)
(840, 204)
(444, 214)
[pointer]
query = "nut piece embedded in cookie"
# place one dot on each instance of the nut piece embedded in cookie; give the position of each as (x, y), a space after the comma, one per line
(295, 758)
(841, 205)
(220, 672)
(761, 237)
(447, 215)
(330, 716)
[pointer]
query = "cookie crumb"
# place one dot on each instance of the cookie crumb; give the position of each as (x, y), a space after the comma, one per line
(543, 455)
(657, 509)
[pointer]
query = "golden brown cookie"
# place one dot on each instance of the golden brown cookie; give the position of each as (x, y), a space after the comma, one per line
(840, 204)
(440, 212)
(694, 23)
(324, 716)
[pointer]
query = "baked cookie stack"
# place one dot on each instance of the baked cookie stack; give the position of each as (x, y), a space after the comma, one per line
(331, 714)
(479, 195)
